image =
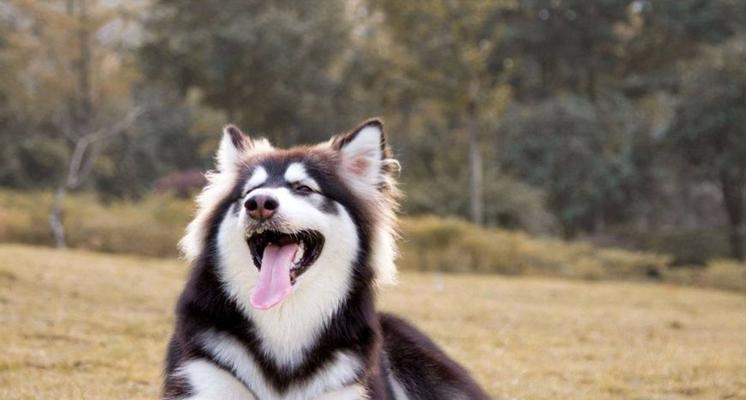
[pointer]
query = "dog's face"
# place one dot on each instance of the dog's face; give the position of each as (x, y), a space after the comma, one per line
(297, 220)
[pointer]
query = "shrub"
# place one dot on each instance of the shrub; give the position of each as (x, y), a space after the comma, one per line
(688, 247)
(444, 244)
(150, 227)
(153, 226)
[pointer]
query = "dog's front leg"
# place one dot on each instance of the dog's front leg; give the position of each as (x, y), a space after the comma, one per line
(207, 381)
(354, 392)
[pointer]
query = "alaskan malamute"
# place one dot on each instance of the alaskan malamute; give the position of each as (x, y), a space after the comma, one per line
(287, 248)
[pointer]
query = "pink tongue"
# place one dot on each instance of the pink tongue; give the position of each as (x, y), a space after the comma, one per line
(273, 285)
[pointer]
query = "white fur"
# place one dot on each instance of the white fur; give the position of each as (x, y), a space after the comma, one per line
(354, 392)
(210, 382)
(383, 254)
(228, 155)
(327, 383)
(365, 150)
(398, 389)
(258, 177)
(219, 185)
(295, 172)
(362, 161)
(290, 328)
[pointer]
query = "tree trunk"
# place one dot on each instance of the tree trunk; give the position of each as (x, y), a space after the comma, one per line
(81, 116)
(733, 198)
(476, 202)
(82, 108)
(55, 217)
(588, 40)
(84, 65)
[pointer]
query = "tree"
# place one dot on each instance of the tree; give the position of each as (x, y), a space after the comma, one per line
(451, 57)
(660, 33)
(558, 145)
(77, 94)
(268, 65)
(709, 130)
(168, 137)
(563, 46)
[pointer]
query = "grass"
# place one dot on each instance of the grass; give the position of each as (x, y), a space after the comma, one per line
(82, 325)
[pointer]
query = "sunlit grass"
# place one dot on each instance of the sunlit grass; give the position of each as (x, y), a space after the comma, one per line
(81, 325)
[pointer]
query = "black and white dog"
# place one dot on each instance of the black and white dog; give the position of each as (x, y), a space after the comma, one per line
(287, 248)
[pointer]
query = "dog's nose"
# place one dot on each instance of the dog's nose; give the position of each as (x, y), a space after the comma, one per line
(261, 207)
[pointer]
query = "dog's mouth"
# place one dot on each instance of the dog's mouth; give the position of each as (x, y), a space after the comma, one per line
(281, 258)
(309, 248)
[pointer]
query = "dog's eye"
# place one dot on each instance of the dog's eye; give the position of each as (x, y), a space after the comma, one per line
(302, 188)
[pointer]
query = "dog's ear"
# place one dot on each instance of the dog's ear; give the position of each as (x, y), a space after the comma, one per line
(232, 146)
(364, 155)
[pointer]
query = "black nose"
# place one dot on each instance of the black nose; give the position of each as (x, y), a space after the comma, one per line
(261, 206)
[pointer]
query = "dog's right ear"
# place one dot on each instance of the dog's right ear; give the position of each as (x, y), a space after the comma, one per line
(232, 147)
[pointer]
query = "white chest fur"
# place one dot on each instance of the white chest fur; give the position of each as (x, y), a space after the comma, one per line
(335, 380)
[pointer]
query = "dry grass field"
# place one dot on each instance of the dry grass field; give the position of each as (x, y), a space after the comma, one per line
(81, 325)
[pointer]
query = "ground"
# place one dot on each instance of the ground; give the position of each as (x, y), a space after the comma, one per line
(81, 325)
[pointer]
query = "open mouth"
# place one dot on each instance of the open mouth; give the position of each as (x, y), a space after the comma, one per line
(299, 250)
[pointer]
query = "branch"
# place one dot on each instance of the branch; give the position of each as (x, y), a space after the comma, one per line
(82, 160)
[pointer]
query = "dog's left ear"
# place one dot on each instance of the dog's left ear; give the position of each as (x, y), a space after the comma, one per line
(233, 144)
(364, 154)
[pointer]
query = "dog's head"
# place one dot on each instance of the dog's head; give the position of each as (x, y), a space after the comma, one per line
(279, 222)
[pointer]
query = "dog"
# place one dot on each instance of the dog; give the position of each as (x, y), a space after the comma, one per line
(287, 248)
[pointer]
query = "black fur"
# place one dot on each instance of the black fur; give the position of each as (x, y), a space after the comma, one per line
(238, 139)
(385, 344)
(422, 368)
(204, 306)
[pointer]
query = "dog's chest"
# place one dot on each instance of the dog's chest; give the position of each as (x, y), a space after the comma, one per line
(341, 371)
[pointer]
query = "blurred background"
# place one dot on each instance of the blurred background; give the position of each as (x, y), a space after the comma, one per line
(619, 123)
(598, 141)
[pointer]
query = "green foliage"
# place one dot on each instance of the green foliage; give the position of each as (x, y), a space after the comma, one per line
(62, 80)
(446, 51)
(267, 64)
(568, 45)
(709, 130)
(556, 145)
(694, 247)
(162, 141)
(509, 203)
(661, 33)
(30, 163)
(694, 20)
(567, 104)
(455, 41)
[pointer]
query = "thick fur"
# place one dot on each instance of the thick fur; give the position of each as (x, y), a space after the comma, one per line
(324, 341)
